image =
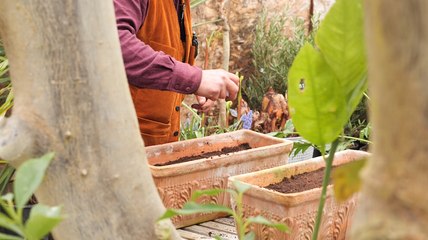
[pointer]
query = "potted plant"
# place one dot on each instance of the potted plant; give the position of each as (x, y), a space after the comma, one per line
(177, 181)
(297, 210)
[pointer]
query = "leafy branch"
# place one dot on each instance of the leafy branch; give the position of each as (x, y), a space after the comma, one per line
(42, 218)
(327, 81)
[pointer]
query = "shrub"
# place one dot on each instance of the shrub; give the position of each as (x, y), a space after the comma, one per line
(274, 49)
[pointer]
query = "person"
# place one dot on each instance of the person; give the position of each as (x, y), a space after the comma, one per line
(158, 49)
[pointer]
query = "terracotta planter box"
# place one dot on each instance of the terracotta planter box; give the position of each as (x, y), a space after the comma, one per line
(176, 182)
(297, 210)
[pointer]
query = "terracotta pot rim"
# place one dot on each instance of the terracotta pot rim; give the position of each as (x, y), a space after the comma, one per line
(218, 161)
(281, 146)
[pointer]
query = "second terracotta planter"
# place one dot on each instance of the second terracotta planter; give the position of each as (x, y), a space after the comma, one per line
(297, 210)
(177, 182)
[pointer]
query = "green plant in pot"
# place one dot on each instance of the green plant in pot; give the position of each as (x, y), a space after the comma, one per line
(242, 224)
(42, 219)
(327, 82)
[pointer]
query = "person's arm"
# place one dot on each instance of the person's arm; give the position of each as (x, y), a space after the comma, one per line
(145, 67)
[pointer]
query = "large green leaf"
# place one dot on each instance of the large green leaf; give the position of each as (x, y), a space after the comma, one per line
(240, 186)
(193, 207)
(42, 220)
(340, 38)
(316, 100)
(331, 79)
(28, 178)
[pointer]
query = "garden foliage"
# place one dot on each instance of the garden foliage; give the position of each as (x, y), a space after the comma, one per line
(327, 82)
(42, 219)
(273, 52)
(236, 212)
(6, 97)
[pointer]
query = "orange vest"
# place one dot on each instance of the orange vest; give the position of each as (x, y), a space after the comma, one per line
(158, 111)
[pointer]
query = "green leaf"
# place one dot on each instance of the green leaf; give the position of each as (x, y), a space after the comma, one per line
(193, 207)
(9, 237)
(241, 187)
(261, 220)
(6, 203)
(4, 80)
(330, 81)
(8, 223)
(250, 236)
(340, 38)
(277, 134)
(169, 213)
(195, 3)
(347, 180)
(316, 100)
(42, 220)
(5, 177)
(289, 127)
(28, 178)
(288, 130)
(209, 192)
(299, 147)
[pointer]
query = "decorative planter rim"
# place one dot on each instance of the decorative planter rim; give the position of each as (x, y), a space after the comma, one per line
(290, 199)
(216, 161)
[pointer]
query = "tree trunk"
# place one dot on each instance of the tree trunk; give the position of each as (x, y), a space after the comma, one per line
(310, 16)
(394, 196)
(72, 97)
(226, 58)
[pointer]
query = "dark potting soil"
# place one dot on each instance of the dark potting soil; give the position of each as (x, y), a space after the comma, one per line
(225, 150)
(299, 182)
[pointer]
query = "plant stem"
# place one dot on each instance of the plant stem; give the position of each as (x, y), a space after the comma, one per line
(358, 139)
(206, 22)
(329, 163)
(195, 114)
(240, 215)
(366, 95)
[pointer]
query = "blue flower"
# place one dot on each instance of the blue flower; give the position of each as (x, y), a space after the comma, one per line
(247, 120)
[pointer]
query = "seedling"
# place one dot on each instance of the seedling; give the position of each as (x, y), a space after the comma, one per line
(242, 224)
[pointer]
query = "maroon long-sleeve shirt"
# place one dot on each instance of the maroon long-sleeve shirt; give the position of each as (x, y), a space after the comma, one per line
(145, 67)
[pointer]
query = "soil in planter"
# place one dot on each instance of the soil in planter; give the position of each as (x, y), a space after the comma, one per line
(299, 182)
(225, 150)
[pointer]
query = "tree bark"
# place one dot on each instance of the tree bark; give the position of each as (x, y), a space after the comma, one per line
(72, 97)
(394, 197)
(310, 16)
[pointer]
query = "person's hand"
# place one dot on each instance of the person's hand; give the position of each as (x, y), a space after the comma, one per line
(204, 104)
(218, 84)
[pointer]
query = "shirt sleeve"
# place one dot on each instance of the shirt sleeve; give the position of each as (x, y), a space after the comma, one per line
(145, 67)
